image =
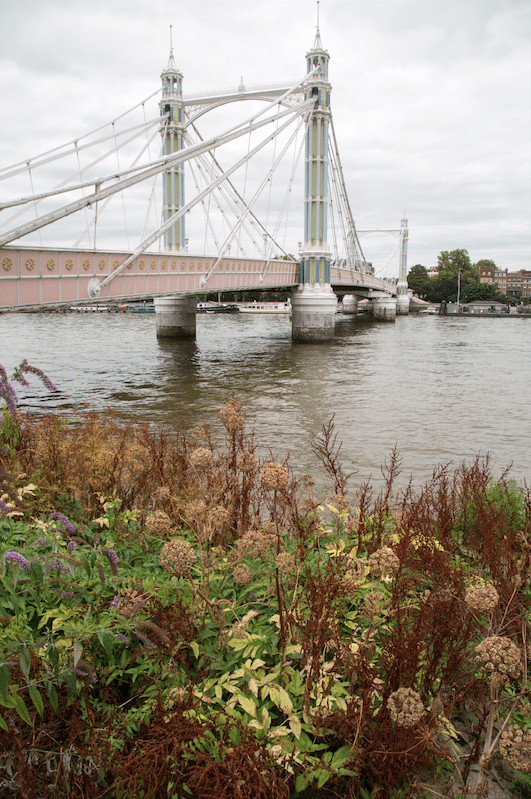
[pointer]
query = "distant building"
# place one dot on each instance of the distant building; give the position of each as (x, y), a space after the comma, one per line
(513, 284)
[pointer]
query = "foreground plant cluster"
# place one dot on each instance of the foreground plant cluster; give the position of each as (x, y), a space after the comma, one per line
(182, 619)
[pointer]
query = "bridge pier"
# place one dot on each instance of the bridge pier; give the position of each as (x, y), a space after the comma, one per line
(402, 305)
(313, 310)
(175, 316)
(350, 304)
(384, 307)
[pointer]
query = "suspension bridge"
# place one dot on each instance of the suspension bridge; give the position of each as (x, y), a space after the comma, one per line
(244, 179)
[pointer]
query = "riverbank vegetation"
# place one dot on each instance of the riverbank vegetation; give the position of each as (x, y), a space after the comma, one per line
(180, 618)
(456, 278)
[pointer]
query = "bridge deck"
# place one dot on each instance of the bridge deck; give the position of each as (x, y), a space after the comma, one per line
(48, 277)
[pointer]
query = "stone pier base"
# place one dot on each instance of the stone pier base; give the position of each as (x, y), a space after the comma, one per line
(350, 304)
(313, 310)
(384, 308)
(175, 316)
(402, 305)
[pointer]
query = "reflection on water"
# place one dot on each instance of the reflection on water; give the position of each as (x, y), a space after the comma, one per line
(441, 390)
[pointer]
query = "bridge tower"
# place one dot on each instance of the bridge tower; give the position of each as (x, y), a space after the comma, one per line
(314, 303)
(172, 132)
(402, 300)
(175, 315)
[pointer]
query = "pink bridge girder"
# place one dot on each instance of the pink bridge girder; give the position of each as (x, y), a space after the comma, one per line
(32, 278)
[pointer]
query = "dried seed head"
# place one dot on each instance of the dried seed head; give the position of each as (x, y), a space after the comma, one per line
(482, 597)
(285, 563)
(177, 557)
(239, 629)
(230, 416)
(499, 658)
(373, 603)
(515, 747)
(255, 543)
(353, 577)
(201, 458)
(274, 477)
(383, 561)
(406, 707)
(247, 461)
(199, 434)
(242, 574)
(340, 502)
(219, 517)
(130, 602)
(195, 511)
(159, 523)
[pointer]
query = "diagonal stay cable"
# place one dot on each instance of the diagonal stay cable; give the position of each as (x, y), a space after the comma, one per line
(299, 110)
(149, 171)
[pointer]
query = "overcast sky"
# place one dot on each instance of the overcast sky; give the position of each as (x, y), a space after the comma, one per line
(431, 99)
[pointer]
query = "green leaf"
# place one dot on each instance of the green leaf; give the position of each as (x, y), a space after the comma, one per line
(52, 695)
(37, 572)
(5, 679)
(53, 655)
(341, 757)
(78, 651)
(17, 704)
(248, 705)
(301, 783)
(25, 662)
(295, 726)
(3, 724)
(36, 699)
(195, 648)
(285, 703)
(107, 642)
(323, 777)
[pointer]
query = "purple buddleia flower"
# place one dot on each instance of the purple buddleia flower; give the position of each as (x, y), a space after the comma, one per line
(41, 542)
(26, 367)
(16, 557)
(110, 554)
(8, 393)
(61, 518)
(71, 546)
(12, 725)
(4, 508)
(64, 594)
(59, 567)
(121, 637)
(115, 602)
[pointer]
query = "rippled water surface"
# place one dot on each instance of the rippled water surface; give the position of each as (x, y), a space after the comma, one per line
(440, 389)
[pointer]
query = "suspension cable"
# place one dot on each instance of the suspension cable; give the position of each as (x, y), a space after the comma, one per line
(169, 160)
(297, 111)
(79, 138)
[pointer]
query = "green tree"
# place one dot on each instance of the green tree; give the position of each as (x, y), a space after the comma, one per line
(418, 281)
(454, 269)
(473, 292)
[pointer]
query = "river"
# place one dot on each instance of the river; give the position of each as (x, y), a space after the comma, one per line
(440, 389)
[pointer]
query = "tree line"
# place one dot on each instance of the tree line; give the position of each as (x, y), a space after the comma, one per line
(456, 273)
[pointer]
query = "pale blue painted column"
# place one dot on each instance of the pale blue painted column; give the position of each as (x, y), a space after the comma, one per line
(172, 131)
(402, 300)
(314, 303)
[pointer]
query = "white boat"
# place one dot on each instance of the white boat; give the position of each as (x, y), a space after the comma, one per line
(266, 307)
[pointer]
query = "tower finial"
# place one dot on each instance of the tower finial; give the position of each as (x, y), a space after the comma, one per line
(317, 14)
(171, 42)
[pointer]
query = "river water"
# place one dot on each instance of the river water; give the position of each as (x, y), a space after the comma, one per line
(441, 389)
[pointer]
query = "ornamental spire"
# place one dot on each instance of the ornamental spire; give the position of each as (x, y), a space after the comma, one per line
(317, 45)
